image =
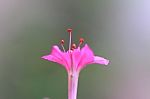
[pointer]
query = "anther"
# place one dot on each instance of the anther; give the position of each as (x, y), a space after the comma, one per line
(62, 42)
(81, 40)
(73, 46)
(69, 30)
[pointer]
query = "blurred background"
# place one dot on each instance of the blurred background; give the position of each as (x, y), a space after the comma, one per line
(118, 30)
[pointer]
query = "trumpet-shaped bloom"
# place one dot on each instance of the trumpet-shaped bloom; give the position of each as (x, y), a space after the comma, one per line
(74, 60)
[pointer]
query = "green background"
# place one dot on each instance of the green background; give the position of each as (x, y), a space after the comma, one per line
(118, 30)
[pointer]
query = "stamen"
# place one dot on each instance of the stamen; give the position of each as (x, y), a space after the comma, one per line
(73, 46)
(70, 32)
(81, 41)
(62, 44)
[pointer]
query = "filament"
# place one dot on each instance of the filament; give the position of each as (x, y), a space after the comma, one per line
(63, 47)
(70, 41)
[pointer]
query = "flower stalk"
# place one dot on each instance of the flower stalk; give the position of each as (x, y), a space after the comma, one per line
(72, 85)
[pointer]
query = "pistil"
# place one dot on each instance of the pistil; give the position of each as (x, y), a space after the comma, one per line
(70, 38)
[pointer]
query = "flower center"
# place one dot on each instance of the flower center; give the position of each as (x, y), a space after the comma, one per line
(71, 46)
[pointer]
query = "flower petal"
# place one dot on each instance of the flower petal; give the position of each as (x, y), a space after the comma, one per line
(100, 60)
(76, 55)
(59, 57)
(86, 57)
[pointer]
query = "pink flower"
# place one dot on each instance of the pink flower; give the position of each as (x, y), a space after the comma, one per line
(74, 60)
